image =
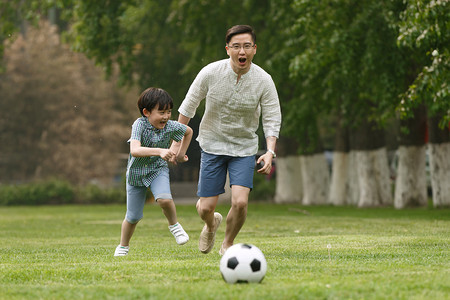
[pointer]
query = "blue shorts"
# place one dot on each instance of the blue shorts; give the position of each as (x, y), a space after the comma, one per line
(213, 173)
(160, 188)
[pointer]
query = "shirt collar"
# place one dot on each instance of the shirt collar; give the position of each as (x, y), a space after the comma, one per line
(148, 125)
(235, 75)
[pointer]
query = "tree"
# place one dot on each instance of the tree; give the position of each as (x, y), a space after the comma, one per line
(424, 30)
(349, 65)
(346, 59)
(58, 116)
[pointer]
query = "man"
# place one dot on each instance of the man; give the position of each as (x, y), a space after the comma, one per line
(237, 92)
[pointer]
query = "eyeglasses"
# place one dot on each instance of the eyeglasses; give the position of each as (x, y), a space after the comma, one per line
(237, 47)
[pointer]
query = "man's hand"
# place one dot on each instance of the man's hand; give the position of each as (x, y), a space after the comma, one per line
(182, 159)
(266, 162)
(167, 154)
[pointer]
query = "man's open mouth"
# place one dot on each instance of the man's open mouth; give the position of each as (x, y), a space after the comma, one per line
(242, 59)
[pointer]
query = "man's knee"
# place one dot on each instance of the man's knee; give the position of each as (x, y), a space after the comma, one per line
(240, 203)
(205, 207)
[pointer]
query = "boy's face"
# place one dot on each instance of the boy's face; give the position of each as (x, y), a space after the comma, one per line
(241, 58)
(158, 117)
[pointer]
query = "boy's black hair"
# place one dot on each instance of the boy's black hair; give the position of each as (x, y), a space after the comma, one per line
(154, 98)
(239, 29)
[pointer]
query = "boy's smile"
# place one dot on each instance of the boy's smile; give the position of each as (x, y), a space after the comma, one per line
(158, 118)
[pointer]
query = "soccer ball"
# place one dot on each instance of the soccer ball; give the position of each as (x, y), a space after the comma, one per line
(243, 263)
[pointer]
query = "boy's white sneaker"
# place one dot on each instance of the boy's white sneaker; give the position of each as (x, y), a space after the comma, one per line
(178, 232)
(121, 250)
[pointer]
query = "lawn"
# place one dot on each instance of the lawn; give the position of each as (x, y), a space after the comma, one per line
(66, 252)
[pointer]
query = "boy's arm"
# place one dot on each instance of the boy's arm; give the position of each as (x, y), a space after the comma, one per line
(137, 150)
(175, 147)
(181, 154)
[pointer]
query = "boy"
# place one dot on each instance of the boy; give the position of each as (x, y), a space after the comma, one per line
(147, 167)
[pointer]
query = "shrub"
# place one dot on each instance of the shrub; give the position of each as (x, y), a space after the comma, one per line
(92, 193)
(37, 193)
(55, 192)
(263, 188)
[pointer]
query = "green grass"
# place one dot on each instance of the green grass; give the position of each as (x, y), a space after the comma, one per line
(66, 252)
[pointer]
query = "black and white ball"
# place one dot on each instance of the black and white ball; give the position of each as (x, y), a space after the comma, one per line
(243, 263)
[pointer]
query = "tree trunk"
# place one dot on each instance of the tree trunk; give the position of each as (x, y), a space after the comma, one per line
(410, 186)
(339, 187)
(373, 178)
(371, 166)
(353, 182)
(316, 179)
(439, 159)
(340, 177)
(313, 164)
(288, 180)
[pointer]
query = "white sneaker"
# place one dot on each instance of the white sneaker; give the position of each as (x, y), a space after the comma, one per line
(121, 250)
(178, 232)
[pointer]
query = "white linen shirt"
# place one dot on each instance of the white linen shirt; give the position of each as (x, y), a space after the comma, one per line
(233, 109)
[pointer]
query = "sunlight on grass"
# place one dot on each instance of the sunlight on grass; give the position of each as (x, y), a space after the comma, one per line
(66, 252)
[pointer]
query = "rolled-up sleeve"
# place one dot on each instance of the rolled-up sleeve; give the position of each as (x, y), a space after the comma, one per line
(271, 111)
(196, 93)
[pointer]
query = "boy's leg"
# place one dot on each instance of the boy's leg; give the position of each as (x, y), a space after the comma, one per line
(169, 210)
(160, 188)
(135, 208)
(126, 233)
(175, 228)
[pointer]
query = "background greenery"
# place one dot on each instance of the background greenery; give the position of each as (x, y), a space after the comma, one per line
(58, 192)
(66, 252)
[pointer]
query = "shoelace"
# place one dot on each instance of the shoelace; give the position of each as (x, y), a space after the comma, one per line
(177, 231)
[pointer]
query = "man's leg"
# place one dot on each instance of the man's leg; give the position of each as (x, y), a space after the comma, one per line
(237, 214)
(241, 170)
(213, 172)
(205, 208)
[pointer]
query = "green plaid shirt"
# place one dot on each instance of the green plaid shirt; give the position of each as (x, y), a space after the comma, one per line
(142, 170)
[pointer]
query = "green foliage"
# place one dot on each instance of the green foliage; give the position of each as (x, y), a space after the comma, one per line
(58, 192)
(346, 59)
(66, 252)
(263, 187)
(37, 193)
(97, 31)
(425, 30)
(352, 58)
(92, 193)
(58, 115)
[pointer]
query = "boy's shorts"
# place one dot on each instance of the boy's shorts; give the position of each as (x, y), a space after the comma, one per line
(213, 173)
(160, 188)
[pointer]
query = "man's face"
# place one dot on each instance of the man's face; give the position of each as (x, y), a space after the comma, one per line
(241, 51)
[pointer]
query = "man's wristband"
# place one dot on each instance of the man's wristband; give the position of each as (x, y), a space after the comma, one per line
(273, 153)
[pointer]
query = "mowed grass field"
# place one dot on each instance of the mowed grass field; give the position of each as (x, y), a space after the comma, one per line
(66, 252)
